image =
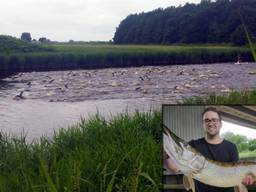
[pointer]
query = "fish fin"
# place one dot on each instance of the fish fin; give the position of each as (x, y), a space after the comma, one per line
(188, 183)
(241, 188)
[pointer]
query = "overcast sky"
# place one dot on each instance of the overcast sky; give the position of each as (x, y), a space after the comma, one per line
(236, 129)
(63, 20)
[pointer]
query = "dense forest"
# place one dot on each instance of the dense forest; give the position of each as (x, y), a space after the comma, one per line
(221, 21)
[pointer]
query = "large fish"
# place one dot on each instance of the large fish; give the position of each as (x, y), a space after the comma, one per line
(195, 166)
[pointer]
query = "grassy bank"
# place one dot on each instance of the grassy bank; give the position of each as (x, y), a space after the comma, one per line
(122, 154)
(248, 155)
(234, 97)
(88, 56)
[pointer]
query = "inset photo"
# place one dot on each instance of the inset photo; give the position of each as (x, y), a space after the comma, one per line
(209, 148)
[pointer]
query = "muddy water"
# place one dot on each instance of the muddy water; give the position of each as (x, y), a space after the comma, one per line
(38, 103)
(35, 118)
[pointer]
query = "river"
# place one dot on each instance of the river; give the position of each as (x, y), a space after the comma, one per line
(39, 103)
(35, 118)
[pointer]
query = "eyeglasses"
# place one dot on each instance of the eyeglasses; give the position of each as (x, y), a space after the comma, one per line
(207, 121)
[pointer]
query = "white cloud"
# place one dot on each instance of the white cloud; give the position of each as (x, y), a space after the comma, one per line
(77, 19)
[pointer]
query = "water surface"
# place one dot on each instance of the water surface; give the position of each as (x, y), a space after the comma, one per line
(38, 103)
(37, 117)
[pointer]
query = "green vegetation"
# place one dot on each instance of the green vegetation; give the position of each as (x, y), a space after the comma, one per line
(20, 56)
(120, 154)
(249, 39)
(234, 97)
(245, 146)
(242, 142)
(207, 22)
(248, 155)
(10, 44)
(89, 56)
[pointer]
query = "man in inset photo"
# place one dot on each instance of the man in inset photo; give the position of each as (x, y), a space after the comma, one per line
(194, 159)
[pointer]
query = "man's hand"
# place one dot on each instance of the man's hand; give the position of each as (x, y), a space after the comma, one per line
(248, 180)
(170, 165)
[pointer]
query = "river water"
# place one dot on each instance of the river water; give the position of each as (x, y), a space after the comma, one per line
(39, 103)
(36, 118)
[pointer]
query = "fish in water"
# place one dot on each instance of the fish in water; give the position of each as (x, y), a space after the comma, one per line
(195, 166)
(19, 96)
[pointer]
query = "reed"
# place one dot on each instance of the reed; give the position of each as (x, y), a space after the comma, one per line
(84, 56)
(120, 154)
(249, 38)
(234, 97)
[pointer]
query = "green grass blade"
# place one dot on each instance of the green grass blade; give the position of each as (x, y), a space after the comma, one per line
(111, 183)
(252, 47)
(146, 175)
(251, 44)
(47, 176)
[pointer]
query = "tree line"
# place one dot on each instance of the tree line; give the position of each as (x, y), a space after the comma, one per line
(26, 36)
(221, 21)
(10, 44)
(242, 142)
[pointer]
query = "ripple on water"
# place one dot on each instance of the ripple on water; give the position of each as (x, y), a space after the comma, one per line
(37, 117)
(108, 90)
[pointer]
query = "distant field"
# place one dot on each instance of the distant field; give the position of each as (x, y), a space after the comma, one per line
(103, 48)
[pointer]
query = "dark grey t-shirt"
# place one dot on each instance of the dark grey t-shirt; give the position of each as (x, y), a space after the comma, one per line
(223, 152)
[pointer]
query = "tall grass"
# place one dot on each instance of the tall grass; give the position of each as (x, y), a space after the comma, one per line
(249, 38)
(122, 154)
(68, 56)
(234, 97)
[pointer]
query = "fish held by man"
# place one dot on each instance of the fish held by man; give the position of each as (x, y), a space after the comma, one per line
(194, 165)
